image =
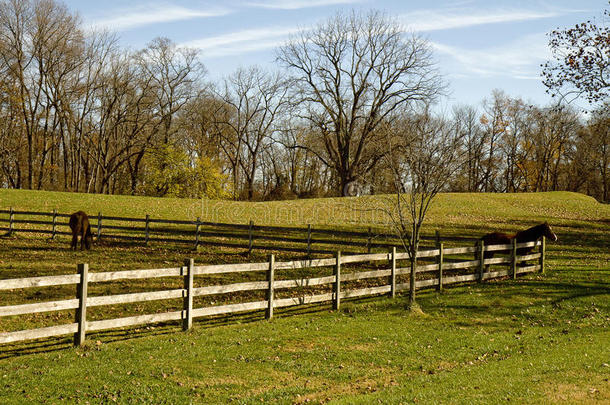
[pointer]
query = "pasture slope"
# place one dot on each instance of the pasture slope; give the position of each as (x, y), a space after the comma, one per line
(539, 339)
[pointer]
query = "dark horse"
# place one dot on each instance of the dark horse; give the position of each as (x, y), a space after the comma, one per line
(79, 224)
(529, 235)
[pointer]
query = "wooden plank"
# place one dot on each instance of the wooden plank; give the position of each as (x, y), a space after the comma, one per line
(337, 283)
(481, 255)
(402, 287)
(134, 274)
(270, 292)
(428, 253)
(133, 320)
(365, 258)
(461, 265)
(440, 262)
(38, 213)
(187, 307)
(497, 260)
(365, 291)
(495, 274)
(427, 283)
(460, 279)
(529, 269)
(513, 259)
(366, 274)
(529, 257)
(227, 309)
(304, 282)
(9, 337)
(230, 268)
(393, 273)
(304, 264)
(100, 300)
(80, 316)
(43, 281)
(228, 288)
(303, 300)
(419, 269)
(39, 307)
(420, 254)
(32, 221)
(494, 248)
(460, 250)
(528, 244)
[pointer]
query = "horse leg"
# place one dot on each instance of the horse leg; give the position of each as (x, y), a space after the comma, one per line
(74, 241)
(487, 255)
(82, 240)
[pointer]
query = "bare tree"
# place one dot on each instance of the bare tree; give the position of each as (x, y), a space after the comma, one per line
(351, 73)
(256, 99)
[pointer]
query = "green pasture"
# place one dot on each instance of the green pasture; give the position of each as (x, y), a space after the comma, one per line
(544, 338)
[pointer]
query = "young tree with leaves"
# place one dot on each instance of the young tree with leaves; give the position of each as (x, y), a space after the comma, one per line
(581, 60)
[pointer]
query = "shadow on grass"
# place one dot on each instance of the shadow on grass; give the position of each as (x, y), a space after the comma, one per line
(504, 301)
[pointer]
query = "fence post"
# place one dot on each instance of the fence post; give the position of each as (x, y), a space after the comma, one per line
(54, 231)
(187, 318)
(542, 253)
(308, 240)
(513, 261)
(393, 273)
(197, 232)
(250, 236)
(81, 311)
(99, 226)
(437, 233)
(440, 265)
(270, 278)
(147, 229)
(337, 300)
(481, 259)
(368, 241)
(11, 220)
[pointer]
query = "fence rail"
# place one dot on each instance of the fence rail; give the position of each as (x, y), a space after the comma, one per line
(337, 283)
(249, 236)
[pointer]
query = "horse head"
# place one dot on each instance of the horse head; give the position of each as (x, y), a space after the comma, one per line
(548, 233)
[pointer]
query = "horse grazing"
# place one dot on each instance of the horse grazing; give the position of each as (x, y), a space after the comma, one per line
(529, 235)
(79, 224)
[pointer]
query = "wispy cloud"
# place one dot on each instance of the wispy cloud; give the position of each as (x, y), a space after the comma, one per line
(435, 20)
(240, 42)
(124, 19)
(519, 59)
(298, 4)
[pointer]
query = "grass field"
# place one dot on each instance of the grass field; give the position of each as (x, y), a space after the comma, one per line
(539, 339)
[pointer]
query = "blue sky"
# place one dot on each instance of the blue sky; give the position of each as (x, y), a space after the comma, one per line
(479, 45)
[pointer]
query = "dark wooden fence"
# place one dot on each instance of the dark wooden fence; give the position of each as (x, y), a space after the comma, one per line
(337, 284)
(310, 240)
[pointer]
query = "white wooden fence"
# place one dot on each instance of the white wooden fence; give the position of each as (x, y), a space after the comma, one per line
(84, 278)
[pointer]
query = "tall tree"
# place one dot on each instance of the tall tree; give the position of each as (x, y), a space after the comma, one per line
(351, 73)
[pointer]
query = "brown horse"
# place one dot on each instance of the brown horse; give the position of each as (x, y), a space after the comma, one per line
(529, 235)
(79, 224)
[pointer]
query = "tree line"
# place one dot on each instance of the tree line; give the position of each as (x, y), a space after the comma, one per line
(341, 111)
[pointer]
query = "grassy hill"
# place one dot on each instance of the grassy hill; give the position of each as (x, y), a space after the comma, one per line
(539, 339)
(448, 210)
